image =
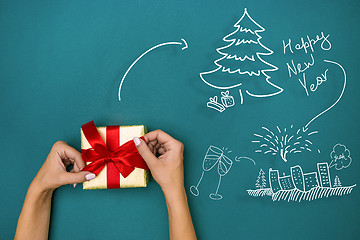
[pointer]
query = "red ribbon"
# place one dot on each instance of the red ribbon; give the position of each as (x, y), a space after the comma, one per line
(119, 159)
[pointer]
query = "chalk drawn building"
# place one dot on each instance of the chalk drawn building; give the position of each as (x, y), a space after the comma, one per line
(324, 174)
(298, 177)
(286, 183)
(274, 180)
(299, 180)
(310, 180)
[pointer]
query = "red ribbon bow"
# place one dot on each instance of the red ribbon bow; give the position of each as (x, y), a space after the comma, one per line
(119, 159)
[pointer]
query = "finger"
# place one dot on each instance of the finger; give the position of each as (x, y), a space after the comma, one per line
(158, 135)
(66, 162)
(151, 146)
(144, 151)
(161, 151)
(72, 154)
(153, 142)
(76, 168)
(158, 145)
(70, 178)
(152, 149)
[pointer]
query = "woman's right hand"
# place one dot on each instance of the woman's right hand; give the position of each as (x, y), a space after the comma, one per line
(167, 169)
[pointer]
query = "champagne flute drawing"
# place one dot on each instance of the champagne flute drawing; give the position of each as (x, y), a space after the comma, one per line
(214, 156)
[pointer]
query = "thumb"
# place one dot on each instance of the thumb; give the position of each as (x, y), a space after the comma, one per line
(144, 151)
(70, 178)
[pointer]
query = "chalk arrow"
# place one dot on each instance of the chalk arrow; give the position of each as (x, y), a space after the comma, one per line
(341, 94)
(182, 43)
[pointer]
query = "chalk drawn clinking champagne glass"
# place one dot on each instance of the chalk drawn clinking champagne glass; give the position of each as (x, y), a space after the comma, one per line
(214, 156)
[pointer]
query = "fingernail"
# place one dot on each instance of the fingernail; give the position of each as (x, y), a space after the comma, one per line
(74, 185)
(137, 141)
(89, 176)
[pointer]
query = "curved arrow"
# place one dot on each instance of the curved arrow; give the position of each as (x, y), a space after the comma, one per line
(341, 94)
(239, 158)
(149, 50)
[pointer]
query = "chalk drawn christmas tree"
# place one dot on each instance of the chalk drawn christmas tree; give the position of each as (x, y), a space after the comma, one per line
(261, 181)
(337, 182)
(241, 63)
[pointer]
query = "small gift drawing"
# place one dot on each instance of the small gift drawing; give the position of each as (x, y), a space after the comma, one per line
(213, 103)
(227, 100)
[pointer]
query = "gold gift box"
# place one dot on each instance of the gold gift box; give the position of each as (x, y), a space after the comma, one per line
(138, 178)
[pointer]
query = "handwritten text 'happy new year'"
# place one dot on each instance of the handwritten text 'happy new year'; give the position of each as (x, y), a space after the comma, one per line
(307, 45)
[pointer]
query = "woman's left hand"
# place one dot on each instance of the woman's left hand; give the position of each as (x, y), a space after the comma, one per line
(53, 172)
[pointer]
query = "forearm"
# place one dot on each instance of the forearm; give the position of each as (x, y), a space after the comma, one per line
(180, 223)
(34, 218)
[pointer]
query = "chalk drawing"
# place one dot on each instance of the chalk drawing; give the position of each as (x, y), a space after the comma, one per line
(241, 60)
(341, 94)
(238, 159)
(182, 43)
(308, 43)
(292, 70)
(215, 157)
(307, 46)
(227, 101)
(261, 180)
(284, 142)
(291, 141)
(299, 186)
(213, 103)
(337, 182)
(340, 157)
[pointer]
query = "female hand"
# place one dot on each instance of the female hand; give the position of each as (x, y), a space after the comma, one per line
(53, 172)
(168, 172)
(34, 218)
(167, 169)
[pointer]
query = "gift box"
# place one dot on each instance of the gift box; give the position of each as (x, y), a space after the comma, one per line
(213, 103)
(227, 100)
(112, 156)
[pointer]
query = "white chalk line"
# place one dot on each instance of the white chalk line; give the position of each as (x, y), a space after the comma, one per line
(341, 94)
(149, 50)
(231, 42)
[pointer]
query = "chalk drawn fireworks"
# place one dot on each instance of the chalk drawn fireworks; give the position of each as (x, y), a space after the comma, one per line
(288, 141)
(215, 157)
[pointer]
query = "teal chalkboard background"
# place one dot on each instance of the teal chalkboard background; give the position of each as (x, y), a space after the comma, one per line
(61, 63)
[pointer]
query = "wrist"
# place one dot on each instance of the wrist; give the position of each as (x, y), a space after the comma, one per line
(175, 195)
(37, 189)
(41, 182)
